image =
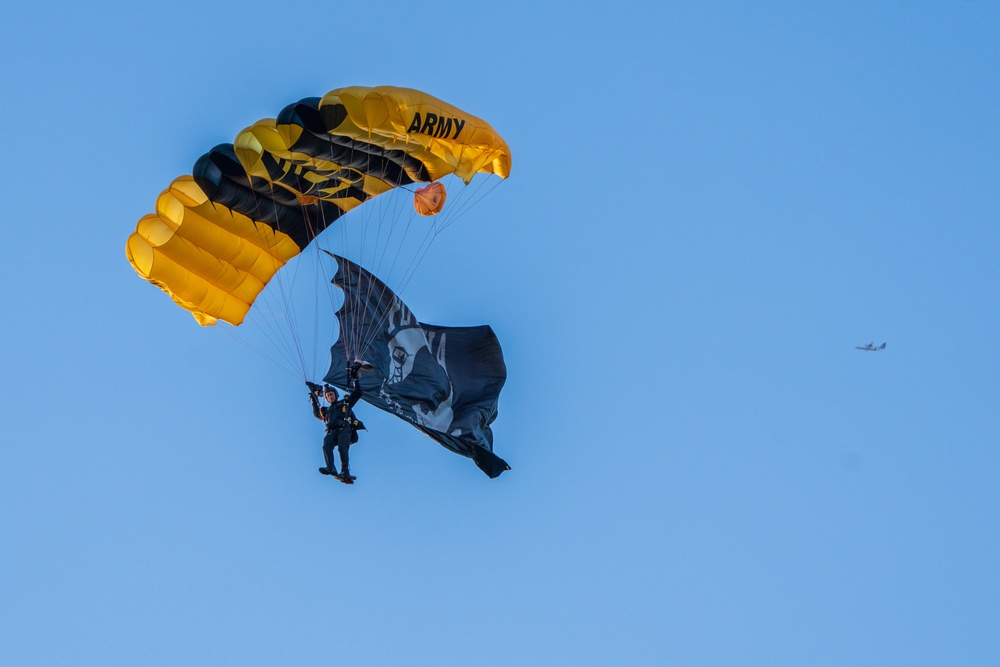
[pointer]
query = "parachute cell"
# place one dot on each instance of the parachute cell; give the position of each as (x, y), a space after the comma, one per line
(212, 260)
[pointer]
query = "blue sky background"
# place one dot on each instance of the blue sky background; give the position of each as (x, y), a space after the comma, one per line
(710, 205)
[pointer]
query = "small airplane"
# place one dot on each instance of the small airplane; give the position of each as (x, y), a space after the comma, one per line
(870, 347)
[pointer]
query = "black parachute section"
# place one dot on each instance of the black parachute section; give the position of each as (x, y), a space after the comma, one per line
(444, 380)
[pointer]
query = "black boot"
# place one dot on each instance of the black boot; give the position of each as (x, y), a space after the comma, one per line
(345, 476)
(327, 471)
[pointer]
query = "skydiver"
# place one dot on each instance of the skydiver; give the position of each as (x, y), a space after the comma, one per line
(341, 425)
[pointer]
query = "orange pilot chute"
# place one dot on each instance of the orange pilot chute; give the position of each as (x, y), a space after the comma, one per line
(430, 200)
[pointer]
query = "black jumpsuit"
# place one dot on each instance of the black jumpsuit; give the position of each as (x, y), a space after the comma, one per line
(341, 428)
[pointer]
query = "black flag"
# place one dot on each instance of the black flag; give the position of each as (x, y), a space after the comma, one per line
(443, 380)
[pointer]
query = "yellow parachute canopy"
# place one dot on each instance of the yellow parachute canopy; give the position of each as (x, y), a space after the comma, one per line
(219, 235)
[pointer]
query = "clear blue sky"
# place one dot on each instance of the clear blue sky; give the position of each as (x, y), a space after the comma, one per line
(710, 205)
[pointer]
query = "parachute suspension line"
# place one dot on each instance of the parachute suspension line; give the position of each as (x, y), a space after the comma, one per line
(323, 307)
(380, 209)
(403, 280)
(371, 209)
(285, 285)
(438, 223)
(422, 249)
(287, 362)
(347, 334)
(267, 325)
(313, 233)
(276, 303)
(389, 211)
(322, 286)
(380, 244)
(373, 331)
(466, 202)
(254, 349)
(326, 287)
(308, 349)
(466, 199)
(391, 208)
(373, 214)
(406, 232)
(461, 204)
